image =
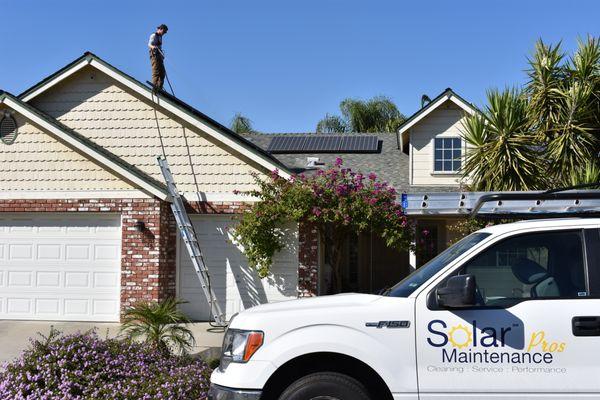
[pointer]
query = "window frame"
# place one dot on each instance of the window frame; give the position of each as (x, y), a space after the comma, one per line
(592, 245)
(434, 159)
(592, 290)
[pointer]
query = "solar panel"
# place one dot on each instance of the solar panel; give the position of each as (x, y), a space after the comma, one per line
(324, 144)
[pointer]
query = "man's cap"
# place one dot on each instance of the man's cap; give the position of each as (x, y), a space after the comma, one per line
(163, 27)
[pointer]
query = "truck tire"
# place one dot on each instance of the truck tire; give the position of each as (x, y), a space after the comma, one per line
(325, 386)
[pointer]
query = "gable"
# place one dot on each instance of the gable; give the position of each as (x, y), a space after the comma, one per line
(444, 120)
(447, 99)
(37, 161)
(114, 117)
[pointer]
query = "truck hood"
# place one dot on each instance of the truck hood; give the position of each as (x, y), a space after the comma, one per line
(336, 309)
(338, 300)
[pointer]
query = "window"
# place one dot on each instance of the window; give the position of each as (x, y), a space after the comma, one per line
(448, 152)
(8, 129)
(412, 282)
(537, 265)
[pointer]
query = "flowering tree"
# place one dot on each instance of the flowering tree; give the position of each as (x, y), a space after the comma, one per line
(337, 201)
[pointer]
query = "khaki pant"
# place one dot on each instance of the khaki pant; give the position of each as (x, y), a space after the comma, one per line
(158, 69)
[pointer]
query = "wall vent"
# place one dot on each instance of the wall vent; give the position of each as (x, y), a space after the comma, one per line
(8, 129)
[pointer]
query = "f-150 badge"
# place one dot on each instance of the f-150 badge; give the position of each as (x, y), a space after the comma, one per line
(388, 324)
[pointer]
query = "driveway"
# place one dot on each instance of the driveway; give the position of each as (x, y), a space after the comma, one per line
(14, 335)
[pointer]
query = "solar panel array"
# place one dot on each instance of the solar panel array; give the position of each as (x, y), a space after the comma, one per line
(324, 144)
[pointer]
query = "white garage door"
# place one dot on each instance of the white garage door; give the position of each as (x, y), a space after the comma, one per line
(60, 266)
(237, 286)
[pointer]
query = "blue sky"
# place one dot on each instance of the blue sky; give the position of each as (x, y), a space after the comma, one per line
(285, 64)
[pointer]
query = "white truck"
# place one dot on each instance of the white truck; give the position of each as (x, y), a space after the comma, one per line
(509, 312)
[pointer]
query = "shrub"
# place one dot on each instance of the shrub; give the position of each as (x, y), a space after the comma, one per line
(161, 325)
(83, 366)
(337, 202)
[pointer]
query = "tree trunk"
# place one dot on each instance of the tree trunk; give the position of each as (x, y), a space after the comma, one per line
(335, 239)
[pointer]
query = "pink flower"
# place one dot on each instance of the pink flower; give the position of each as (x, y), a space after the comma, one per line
(316, 211)
(372, 176)
(425, 232)
(275, 174)
(338, 161)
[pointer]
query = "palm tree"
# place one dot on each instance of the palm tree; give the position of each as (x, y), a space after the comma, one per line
(160, 325)
(564, 105)
(241, 124)
(332, 124)
(502, 154)
(546, 136)
(378, 114)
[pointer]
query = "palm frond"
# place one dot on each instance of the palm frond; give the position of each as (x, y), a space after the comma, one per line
(160, 324)
(241, 124)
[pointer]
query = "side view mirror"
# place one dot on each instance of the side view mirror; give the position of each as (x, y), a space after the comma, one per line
(459, 292)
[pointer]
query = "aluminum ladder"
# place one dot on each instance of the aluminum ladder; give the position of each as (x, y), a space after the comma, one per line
(188, 234)
(534, 204)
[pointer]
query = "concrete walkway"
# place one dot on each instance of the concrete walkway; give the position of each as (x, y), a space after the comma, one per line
(14, 335)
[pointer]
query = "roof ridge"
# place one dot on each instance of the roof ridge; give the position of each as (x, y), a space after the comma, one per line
(175, 102)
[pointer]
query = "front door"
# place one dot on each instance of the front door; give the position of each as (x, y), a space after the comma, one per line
(532, 331)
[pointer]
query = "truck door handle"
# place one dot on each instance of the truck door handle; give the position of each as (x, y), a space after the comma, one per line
(586, 326)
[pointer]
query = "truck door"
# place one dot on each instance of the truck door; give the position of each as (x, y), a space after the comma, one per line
(534, 328)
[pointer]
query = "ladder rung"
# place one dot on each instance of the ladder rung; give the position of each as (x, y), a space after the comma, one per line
(188, 234)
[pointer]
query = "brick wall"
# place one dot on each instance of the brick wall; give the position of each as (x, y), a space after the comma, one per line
(308, 254)
(147, 273)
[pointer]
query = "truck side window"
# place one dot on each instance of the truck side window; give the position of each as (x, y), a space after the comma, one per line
(536, 265)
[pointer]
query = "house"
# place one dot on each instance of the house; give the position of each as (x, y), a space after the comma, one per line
(85, 223)
(423, 157)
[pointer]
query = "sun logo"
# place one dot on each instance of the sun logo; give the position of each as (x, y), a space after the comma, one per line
(465, 337)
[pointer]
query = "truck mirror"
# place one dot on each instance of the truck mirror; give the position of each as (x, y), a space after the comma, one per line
(459, 292)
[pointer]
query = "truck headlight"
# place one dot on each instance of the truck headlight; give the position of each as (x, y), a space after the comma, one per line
(239, 346)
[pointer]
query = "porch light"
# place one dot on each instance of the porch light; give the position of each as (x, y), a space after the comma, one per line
(140, 226)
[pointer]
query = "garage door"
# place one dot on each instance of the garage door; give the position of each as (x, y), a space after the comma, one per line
(60, 267)
(237, 286)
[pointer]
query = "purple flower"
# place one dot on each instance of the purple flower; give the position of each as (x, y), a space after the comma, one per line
(338, 161)
(82, 365)
(372, 176)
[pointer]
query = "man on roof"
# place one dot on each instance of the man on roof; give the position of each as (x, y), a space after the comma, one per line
(157, 57)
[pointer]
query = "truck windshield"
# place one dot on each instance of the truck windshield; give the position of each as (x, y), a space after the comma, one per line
(409, 284)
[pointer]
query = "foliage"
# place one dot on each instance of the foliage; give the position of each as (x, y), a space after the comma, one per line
(336, 201)
(241, 124)
(83, 366)
(502, 155)
(378, 114)
(332, 124)
(550, 131)
(160, 325)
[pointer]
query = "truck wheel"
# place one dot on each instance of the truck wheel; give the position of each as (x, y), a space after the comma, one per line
(325, 386)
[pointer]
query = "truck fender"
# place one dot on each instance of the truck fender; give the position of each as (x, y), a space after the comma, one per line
(328, 338)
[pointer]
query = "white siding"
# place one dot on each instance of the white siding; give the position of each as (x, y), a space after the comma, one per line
(236, 286)
(37, 162)
(99, 108)
(445, 121)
